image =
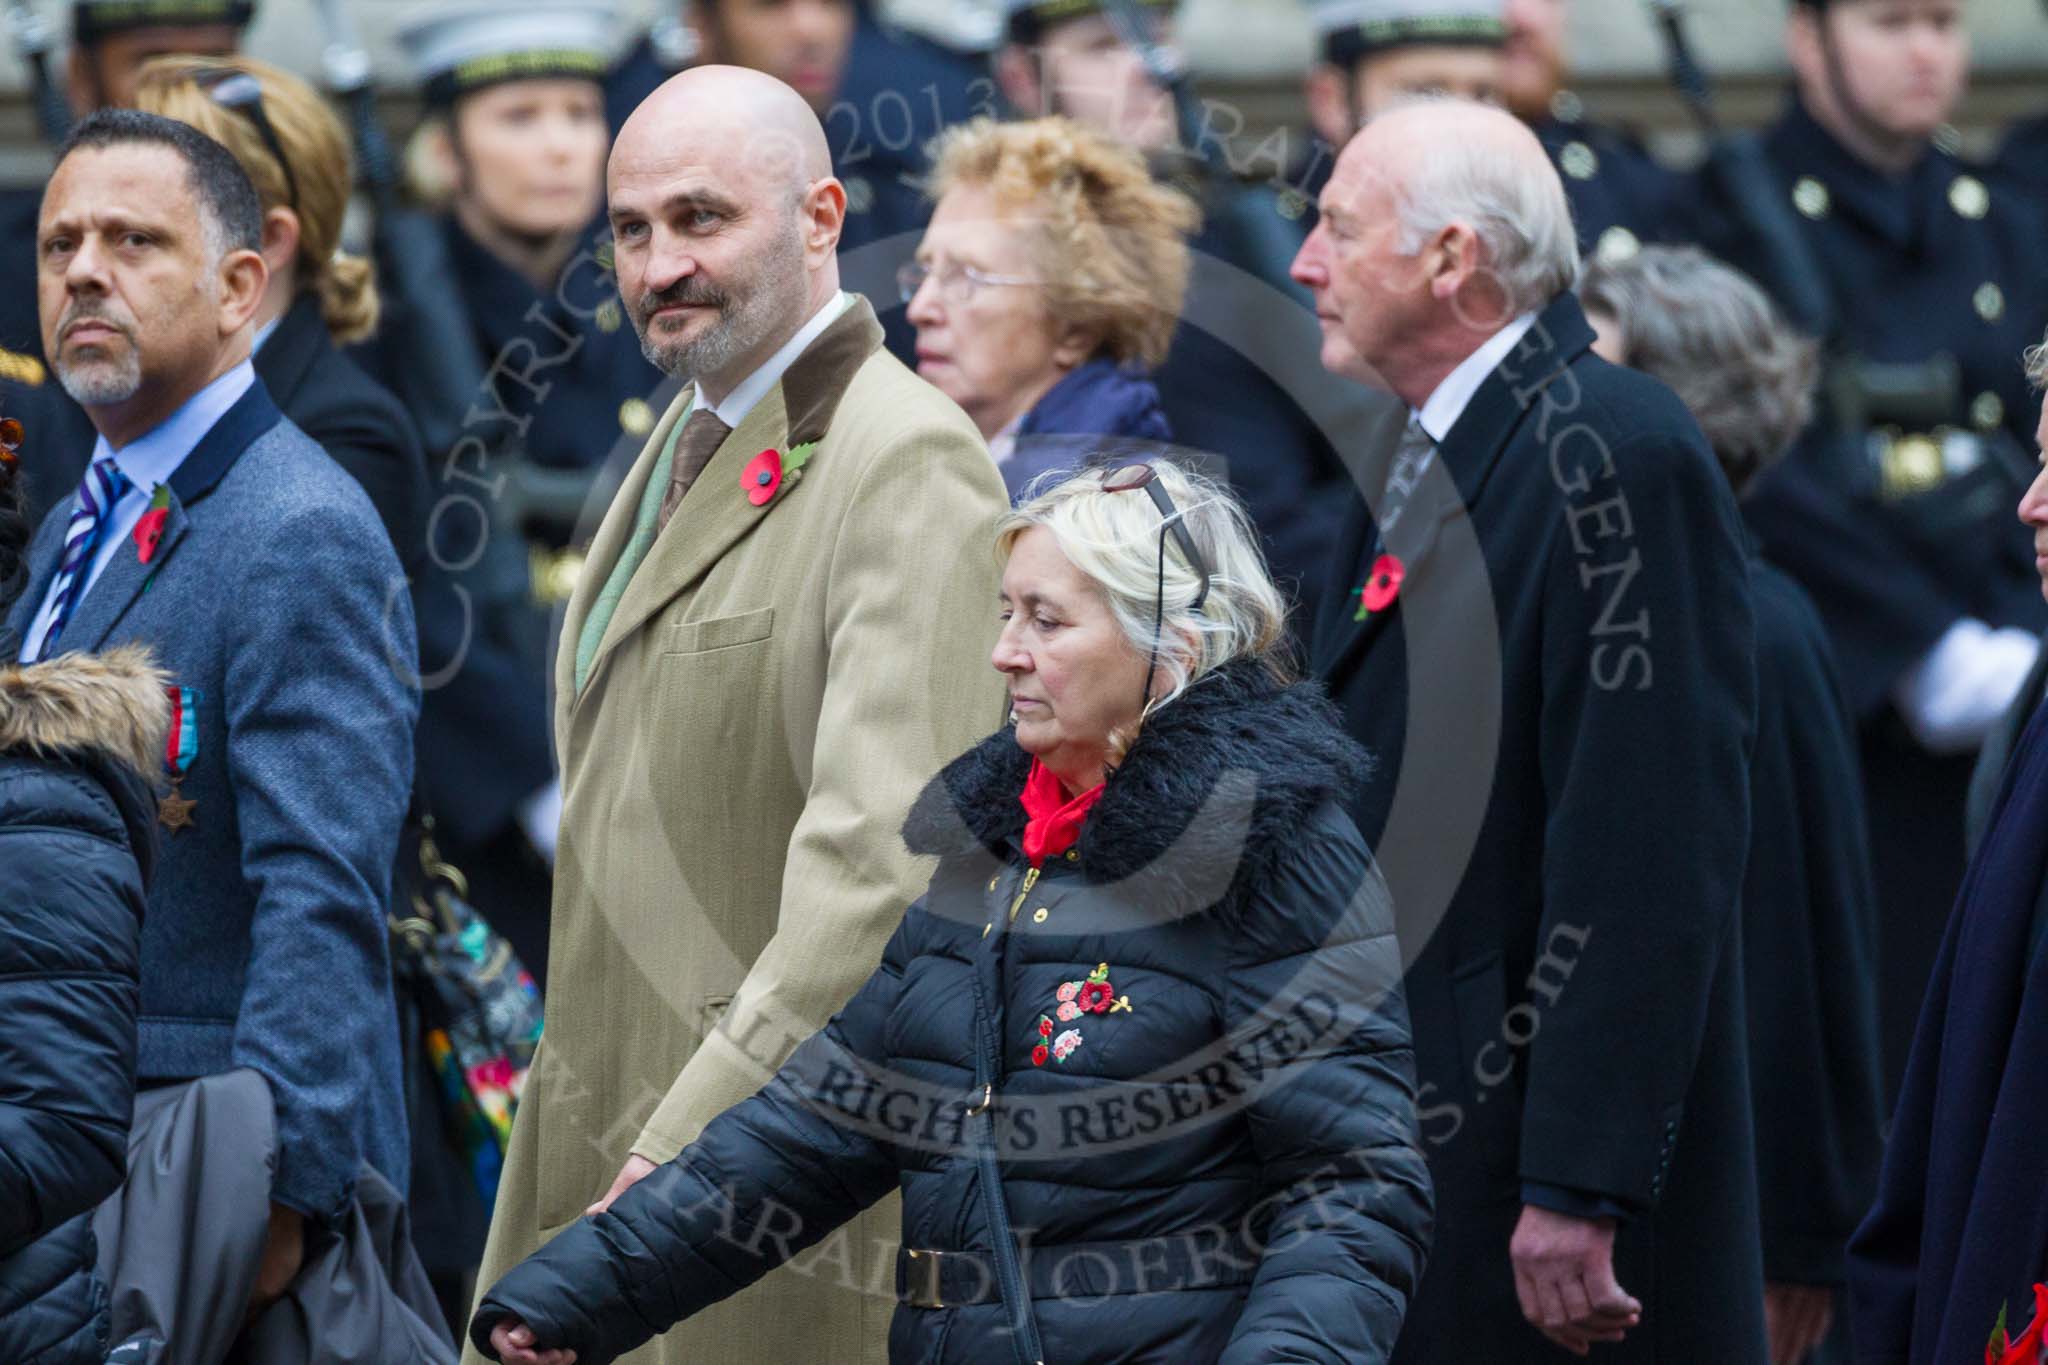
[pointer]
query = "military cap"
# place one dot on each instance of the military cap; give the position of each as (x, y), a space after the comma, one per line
(92, 20)
(1030, 18)
(1350, 30)
(458, 49)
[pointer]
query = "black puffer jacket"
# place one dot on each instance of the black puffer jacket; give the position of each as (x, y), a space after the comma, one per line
(1154, 1103)
(77, 820)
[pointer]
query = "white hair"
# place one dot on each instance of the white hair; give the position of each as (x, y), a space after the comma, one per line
(1114, 539)
(1515, 204)
(2036, 361)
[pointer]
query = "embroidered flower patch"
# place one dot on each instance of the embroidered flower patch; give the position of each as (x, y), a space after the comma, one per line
(1094, 995)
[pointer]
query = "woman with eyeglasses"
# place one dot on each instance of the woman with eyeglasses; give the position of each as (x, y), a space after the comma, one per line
(1046, 289)
(1138, 1061)
(320, 298)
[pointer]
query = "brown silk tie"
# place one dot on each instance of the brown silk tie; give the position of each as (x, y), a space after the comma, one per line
(702, 435)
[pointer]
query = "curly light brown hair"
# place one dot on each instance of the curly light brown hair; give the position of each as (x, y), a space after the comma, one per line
(1111, 242)
(312, 136)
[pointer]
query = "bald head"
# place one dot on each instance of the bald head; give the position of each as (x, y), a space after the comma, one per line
(725, 222)
(759, 128)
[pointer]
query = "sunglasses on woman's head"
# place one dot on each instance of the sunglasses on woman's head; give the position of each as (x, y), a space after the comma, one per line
(243, 94)
(1132, 477)
(1129, 479)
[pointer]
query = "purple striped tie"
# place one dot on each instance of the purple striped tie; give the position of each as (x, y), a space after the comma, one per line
(102, 487)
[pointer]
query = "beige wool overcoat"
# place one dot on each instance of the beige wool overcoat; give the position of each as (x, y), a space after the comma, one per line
(774, 686)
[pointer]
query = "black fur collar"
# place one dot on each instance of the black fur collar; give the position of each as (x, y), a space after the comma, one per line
(1208, 797)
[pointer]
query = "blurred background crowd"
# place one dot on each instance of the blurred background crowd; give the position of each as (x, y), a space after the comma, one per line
(444, 319)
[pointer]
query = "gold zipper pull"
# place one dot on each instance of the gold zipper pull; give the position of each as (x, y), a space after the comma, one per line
(1030, 880)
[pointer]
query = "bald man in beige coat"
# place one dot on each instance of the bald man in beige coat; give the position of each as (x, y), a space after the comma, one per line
(782, 632)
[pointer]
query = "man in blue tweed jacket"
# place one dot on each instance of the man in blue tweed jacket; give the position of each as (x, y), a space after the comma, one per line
(212, 530)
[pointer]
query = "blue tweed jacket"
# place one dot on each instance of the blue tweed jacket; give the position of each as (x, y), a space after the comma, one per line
(276, 597)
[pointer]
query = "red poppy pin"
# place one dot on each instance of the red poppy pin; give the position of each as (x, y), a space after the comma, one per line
(2028, 1348)
(1382, 586)
(762, 479)
(149, 532)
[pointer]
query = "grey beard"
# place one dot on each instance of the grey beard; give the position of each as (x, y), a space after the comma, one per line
(98, 383)
(740, 327)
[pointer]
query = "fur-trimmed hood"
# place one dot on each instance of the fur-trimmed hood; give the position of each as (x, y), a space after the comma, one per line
(104, 706)
(1208, 796)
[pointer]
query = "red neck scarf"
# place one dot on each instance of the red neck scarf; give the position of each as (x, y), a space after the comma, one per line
(1052, 819)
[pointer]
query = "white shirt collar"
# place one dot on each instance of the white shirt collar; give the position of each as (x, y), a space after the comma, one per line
(1454, 394)
(751, 390)
(1003, 444)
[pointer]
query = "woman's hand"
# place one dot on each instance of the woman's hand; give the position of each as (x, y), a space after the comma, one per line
(513, 1341)
(636, 1169)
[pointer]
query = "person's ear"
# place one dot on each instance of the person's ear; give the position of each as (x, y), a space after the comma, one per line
(243, 278)
(1075, 346)
(1329, 104)
(823, 215)
(1452, 261)
(280, 240)
(1019, 78)
(1182, 645)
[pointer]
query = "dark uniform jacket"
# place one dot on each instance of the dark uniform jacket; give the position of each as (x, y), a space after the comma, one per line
(1809, 940)
(80, 739)
(1620, 197)
(2022, 162)
(1561, 700)
(1938, 265)
(352, 417)
(1215, 1161)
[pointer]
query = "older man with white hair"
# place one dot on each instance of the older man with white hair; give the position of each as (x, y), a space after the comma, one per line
(1541, 625)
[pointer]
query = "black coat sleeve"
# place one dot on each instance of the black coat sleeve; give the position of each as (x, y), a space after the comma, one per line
(71, 899)
(1643, 757)
(1342, 1169)
(767, 1178)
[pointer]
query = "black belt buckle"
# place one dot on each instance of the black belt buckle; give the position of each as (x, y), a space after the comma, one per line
(921, 1283)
